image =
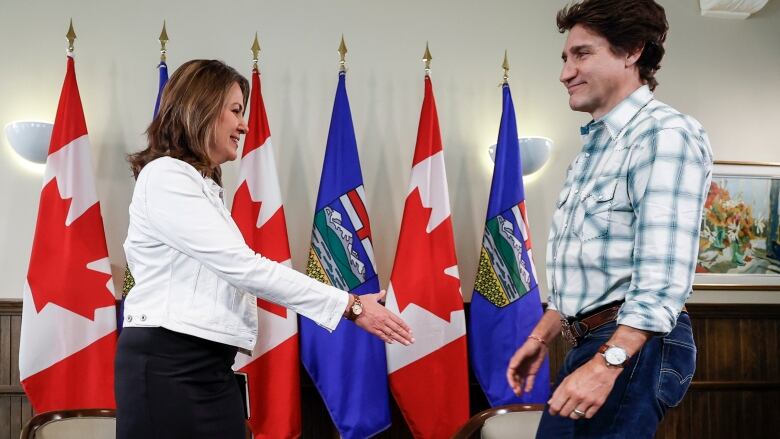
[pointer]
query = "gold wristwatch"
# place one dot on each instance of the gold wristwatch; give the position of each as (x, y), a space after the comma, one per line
(356, 309)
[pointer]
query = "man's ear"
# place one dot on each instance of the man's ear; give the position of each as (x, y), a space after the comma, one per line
(634, 56)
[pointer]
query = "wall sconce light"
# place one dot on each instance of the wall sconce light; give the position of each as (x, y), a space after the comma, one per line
(534, 153)
(30, 139)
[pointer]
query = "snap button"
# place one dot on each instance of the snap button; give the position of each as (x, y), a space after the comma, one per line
(576, 191)
(587, 154)
(143, 317)
(601, 197)
(129, 318)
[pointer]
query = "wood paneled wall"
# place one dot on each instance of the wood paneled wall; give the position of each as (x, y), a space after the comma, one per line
(732, 395)
(15, 410)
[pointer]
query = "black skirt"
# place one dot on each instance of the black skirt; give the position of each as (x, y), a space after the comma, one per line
(173, 385)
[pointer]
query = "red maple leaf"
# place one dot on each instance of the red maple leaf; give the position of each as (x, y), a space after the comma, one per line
(418, 273)
(58, 270)
(270, 240)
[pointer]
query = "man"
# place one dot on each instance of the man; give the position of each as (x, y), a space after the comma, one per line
(624, 238)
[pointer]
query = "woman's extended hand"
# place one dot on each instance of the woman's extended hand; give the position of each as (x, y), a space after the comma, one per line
(377, 320)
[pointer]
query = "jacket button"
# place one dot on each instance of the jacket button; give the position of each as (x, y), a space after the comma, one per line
(129, 318)
(143, 317)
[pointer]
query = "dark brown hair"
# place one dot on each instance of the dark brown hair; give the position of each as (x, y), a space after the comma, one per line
(190, 106)
(628, 25)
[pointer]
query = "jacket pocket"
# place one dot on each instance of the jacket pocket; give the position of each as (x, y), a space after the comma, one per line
(203, 306)
(678, 363)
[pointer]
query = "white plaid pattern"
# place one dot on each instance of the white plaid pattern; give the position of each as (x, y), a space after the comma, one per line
(627, 220)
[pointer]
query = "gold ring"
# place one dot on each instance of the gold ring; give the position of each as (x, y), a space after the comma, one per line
(578, 412)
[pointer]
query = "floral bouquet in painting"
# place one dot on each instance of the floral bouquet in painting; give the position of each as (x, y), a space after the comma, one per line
(731, 237)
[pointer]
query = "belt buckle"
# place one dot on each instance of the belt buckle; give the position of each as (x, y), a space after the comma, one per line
(567, 333)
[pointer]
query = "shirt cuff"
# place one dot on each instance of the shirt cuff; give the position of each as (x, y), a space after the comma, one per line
(657, 319)
(333, 311)
(551, 304)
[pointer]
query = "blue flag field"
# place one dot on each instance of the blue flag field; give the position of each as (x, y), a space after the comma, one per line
(348, 366)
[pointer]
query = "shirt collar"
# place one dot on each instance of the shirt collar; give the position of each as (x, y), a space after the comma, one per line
(215, 188)
(617, 119)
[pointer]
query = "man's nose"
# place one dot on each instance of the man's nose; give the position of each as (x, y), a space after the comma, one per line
(567, 72)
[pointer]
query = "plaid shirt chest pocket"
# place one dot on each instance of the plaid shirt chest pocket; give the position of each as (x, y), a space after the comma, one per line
(606, 211)
(560, 215)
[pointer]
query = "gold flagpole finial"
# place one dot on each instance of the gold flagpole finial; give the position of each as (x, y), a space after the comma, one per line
(427, 58)
(71, 36)
(343, 55)
(255, 52)
(505, 66)
(163, 41)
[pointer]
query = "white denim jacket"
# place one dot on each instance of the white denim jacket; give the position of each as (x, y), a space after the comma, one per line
(193, 271)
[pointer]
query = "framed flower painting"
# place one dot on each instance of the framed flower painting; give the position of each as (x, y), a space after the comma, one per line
(739, 245)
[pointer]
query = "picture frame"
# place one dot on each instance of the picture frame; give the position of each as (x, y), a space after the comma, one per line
(739, 244)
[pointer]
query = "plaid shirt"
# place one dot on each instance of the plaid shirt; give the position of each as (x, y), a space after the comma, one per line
(627, 220)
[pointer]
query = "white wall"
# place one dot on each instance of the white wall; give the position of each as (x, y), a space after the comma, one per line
(725, 73)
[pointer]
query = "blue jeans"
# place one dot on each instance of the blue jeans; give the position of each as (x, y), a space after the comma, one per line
(654, 379)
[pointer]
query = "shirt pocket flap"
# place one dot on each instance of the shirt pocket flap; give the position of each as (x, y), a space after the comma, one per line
(563, 196)
(604, 189)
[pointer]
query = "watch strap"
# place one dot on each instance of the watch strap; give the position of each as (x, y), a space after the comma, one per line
(351, 316)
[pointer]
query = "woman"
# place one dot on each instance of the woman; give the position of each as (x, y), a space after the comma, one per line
(197, 282)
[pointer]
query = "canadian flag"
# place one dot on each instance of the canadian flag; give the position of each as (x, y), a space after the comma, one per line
(429, 378)
(68, 339)
(273, 369)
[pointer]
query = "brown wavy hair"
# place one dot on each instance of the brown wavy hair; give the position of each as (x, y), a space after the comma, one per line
(628, 25)
(190, 106)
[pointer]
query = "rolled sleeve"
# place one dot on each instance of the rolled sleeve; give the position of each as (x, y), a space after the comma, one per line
(667, 184)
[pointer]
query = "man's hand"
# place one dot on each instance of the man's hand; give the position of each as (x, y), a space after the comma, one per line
(524, 365)
(377, 320)
(588, 387)
(585, 389)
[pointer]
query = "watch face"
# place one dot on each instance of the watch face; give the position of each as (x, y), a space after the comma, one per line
(615, 355)
(357, 309)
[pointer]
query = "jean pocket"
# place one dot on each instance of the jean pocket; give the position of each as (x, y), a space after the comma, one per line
(678, 363)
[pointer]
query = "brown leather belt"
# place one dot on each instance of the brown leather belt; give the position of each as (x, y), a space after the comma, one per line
(575, 329)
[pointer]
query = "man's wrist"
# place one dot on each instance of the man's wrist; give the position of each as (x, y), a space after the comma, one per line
(600, 364)
(538, 339)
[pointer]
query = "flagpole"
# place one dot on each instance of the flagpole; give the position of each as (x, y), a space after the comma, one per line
(342, 55)
(71, 36)
(505, 66)
(255, 52)
(163, 41)
(427, 59)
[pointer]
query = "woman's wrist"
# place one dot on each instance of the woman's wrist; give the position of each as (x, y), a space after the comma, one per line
(350, 302)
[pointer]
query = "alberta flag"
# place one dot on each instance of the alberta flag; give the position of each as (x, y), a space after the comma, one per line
(505, 305)
(163, 68)
(129, 282)
(348, 366)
